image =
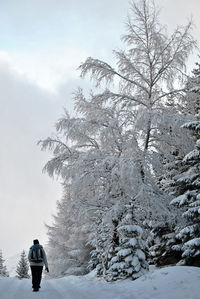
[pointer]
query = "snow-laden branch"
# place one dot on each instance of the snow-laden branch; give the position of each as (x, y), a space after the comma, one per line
(103, 71)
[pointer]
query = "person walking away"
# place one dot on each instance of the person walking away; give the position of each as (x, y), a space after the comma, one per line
(37, 259)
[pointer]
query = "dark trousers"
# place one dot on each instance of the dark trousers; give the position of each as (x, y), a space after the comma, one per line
(36, 272)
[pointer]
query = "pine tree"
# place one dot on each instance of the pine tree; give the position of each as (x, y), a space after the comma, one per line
(192, 99)
(160, 241)
(188, 110)
(189, 198)
(23, 267)
(105, 240)
(3, 268)
(67, 249)
(100, 255)
(130, 255)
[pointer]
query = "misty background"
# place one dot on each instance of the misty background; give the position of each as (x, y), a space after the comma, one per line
(41, 45)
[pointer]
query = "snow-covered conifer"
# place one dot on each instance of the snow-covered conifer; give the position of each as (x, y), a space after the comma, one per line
(160, 241)
(130, 255)
(105, 241)
(191, 101)
(23, 266)
(189, 198)
(100, 255)
(68, 252)
(3, 268)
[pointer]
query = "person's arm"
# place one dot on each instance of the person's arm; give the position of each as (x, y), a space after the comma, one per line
(29, 255)
(45, 259)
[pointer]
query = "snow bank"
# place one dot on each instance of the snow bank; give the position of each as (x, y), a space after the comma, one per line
(167, 283)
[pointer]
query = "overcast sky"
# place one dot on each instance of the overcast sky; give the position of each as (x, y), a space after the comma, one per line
(41, 45)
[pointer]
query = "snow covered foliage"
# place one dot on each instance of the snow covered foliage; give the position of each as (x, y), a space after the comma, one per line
(161, 241)
(189, 198)
(103, 247)
(130, 255)
(147, 72)
(112, 152)
(67, 249)
(3, 268)
(186, 112)
(192, 99)
(103, 175)
(23, 266)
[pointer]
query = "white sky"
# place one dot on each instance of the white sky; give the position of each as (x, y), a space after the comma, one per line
(41, 45)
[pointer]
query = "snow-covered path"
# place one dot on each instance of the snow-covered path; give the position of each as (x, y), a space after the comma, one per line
(167, 283)
(51, 289)
(14, 289)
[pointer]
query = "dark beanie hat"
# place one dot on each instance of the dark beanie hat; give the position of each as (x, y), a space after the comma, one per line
(35, 242)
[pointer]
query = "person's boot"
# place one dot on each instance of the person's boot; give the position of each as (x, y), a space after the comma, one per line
(35, 290)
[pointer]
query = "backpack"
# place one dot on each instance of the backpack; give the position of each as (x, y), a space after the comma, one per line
(36, 254)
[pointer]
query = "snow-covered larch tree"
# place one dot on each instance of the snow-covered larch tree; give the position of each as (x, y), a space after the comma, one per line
(23, 266)
(148, 79)
(188, 183)
(148, 72)
(3, 268)
(96, 163)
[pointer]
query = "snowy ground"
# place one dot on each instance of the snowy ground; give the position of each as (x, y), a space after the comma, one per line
(167, 283)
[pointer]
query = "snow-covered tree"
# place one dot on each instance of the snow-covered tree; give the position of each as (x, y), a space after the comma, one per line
(103, 177)
(191, 101)
(68, 252)
(130, 254)
(188, 110)
(94, 166)
(148, 72)
(112, 152)
(102, 252)
(189, 198)
(23, 266)
(3, 268)
(104, 240)
(160, 241)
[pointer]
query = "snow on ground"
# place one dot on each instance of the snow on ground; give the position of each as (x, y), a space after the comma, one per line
(167, 283)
